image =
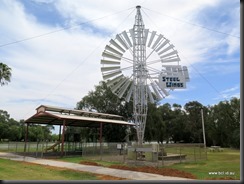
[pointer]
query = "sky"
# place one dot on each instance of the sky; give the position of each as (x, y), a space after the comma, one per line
(54, 47)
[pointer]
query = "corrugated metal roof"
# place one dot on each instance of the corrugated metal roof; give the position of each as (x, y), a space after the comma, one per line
(78, 112)
(71, 120)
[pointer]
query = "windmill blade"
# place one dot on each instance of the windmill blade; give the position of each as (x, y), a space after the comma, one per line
(132, 35)
(156, 42)
(156, 91)
(162, 89)
(150, 94)
(166, 49)
(105, 69)
(151, 38)
(146, 35)
(110, 55)
(170, 60)
(124, 33)
(162, 45)
(186, 74)
(116, 86)
(113, 50)
(108, 62)
(116, 79)
(169, 54)
(105, 77)
(121, 41)
(116, 45)
(124, 88)
(127, 99)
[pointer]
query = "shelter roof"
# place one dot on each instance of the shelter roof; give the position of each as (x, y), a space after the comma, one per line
(55, 116)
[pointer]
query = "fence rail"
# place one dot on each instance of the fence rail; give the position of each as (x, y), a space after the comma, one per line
(116, 152)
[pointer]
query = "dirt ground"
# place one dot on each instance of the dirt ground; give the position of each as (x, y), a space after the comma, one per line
(155, 170)
(148, 169)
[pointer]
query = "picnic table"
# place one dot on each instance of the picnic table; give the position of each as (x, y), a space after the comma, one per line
(216, 148)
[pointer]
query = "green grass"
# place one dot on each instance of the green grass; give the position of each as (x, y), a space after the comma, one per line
(224, 164)
(79, 159)
(14, 170)
(220, 162)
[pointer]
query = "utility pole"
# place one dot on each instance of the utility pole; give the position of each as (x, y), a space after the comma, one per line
(203, 129)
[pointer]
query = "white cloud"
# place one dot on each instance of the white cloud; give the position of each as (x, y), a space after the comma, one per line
(61, 68)
(229, 93)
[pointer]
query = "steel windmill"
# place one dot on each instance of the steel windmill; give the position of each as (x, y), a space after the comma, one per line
(144, 66)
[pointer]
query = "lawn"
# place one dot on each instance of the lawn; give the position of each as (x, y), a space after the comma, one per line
(219, 165)
(14, 170)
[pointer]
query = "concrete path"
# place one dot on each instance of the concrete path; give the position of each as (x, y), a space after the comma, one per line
(130, 175)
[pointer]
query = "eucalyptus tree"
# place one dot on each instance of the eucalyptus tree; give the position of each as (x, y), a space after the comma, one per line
(5, 74)
(194, 121)
(223, 123)
(104, 101)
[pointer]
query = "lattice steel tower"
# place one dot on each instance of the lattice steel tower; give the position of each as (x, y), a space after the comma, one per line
(139, 76)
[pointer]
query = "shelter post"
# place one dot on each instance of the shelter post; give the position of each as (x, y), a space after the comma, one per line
(62, 146)
(59, 137)
(100, 139)
(26, 136)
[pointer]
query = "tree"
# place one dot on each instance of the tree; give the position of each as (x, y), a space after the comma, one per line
(149, 134)
(104, 101)
(178, 123)
(223, 123)
(5, 74)
(194, 124)
(166, 122)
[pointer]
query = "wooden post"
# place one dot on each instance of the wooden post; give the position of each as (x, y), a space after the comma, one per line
(194, 154)
(203, 129)
(62, 146)
(59, 137)
(26, 137)
(180, 154)
(37, 143)
(100, 139)
(162, 155)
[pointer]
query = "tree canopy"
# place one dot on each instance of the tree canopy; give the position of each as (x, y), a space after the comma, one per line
(104, 101)
(171, 122)
(165, 123)
(5, 74)
(13, 130)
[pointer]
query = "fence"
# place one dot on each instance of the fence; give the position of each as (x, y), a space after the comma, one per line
(149, 154)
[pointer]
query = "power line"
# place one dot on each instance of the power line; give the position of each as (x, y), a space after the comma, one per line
(62, 29)
(206, 80)
(82, 62)
(193, 24)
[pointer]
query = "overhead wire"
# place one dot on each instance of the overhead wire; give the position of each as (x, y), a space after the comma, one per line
(201, 75)
(93, 20)
(193, 24)
(83, 61)
(62, 29)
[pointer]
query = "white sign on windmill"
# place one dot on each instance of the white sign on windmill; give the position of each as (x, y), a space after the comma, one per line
(174, 77)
